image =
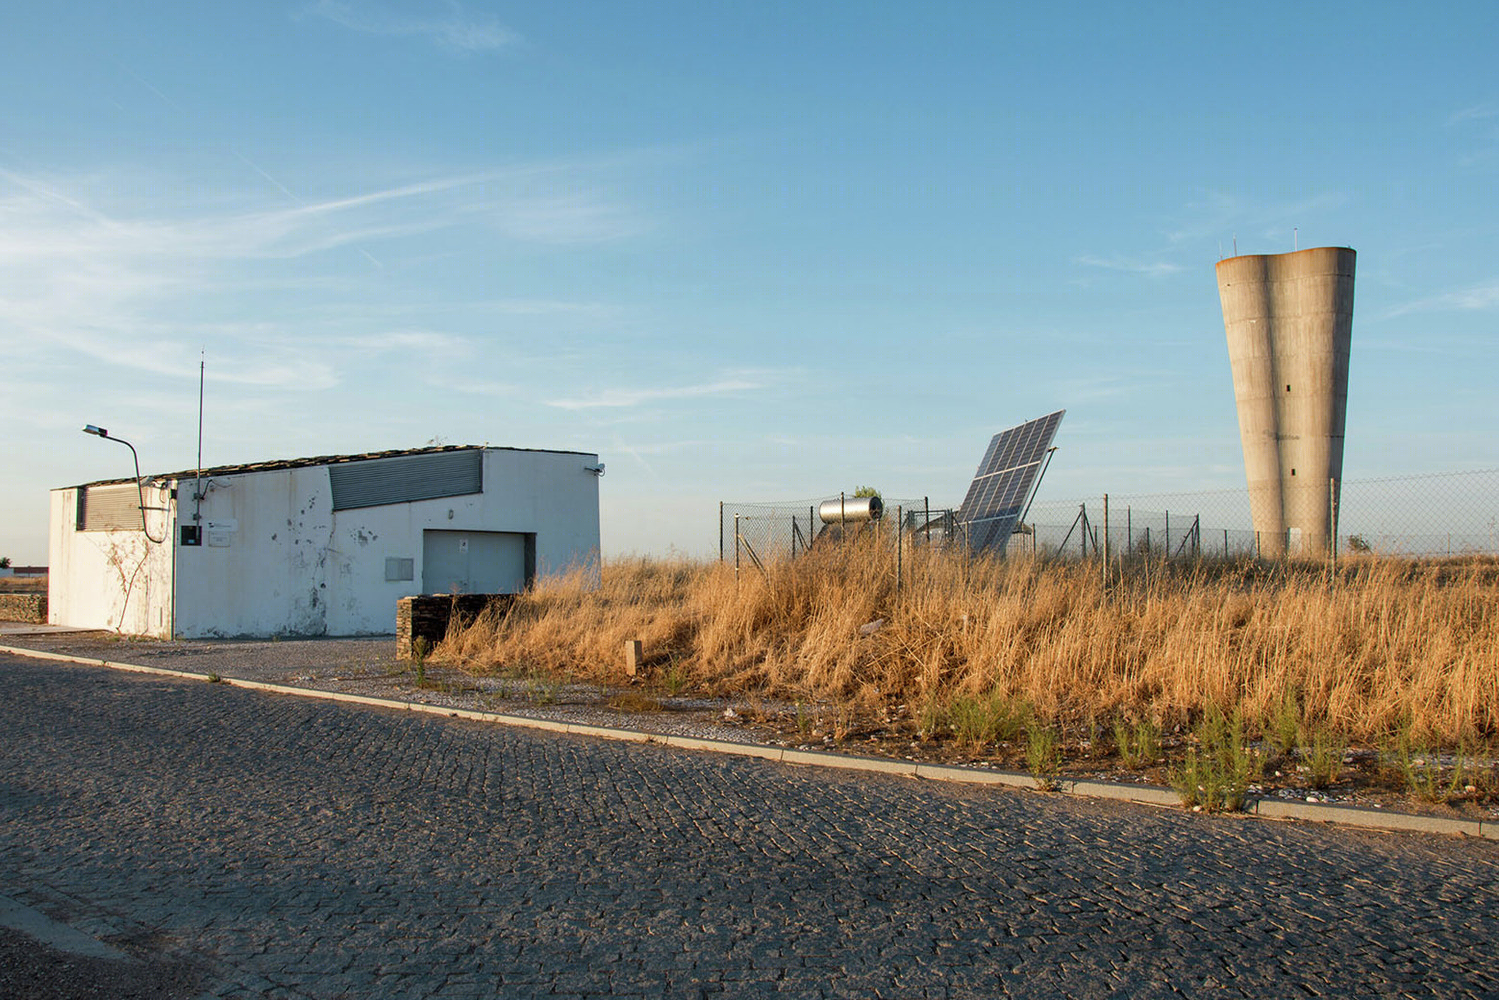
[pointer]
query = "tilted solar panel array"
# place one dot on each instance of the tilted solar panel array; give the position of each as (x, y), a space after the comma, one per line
(1004, 480)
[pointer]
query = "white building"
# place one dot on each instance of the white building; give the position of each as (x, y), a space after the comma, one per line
(317, 546)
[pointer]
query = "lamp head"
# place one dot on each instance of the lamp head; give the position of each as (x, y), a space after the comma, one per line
(96, 431)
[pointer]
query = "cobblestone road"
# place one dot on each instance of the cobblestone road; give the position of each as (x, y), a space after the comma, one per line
(303, 849)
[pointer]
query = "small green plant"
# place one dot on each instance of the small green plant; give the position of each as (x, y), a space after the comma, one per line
(542, 690)
(1043, 755)
(674, 677)
(1219, 769)
(930, 717)
(843, 723)
(1423, 773)
(1462, 773)
(634, 701)
(1395, 751)
(214, 678)
(1138, 746)
(980, 719)
(803, 718)
(420, 647)
(1283, 728)
(1324, 757)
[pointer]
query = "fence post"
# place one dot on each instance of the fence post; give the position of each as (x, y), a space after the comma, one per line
(1332, 519)
(1225, 543)
(1083, 535)
(736, 549)
(1105, 539)
(900, 534)
(1129, 530)
(1167, 547)
(926, 518)
(720, 531)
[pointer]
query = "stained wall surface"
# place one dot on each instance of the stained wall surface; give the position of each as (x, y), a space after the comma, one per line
(1288, 319)
(277, 559)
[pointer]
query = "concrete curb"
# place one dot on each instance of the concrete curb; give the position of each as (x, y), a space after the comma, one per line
(1153, 795)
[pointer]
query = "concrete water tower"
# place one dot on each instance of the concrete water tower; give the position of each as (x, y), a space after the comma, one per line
(1289, 322)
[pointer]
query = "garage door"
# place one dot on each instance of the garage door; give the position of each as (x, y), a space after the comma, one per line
(474, 562)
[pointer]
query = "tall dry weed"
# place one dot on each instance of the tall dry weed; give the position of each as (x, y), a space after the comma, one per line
(1365, 649)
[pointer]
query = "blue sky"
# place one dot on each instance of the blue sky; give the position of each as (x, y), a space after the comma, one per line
(742, 251)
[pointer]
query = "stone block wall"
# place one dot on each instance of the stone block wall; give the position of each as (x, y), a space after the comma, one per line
(30, 608)
(428, 617)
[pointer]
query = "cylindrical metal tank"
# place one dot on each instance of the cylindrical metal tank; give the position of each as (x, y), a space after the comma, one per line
(851, 510)
(1289, 322)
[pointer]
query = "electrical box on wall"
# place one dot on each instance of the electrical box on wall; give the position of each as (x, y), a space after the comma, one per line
(192, 534)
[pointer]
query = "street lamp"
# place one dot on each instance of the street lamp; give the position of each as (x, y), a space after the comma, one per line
(140, 490)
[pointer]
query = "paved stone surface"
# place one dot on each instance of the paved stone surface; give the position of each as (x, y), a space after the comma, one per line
(295, 848)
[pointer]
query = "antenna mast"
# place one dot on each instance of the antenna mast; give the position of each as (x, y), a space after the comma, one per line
(198, 481)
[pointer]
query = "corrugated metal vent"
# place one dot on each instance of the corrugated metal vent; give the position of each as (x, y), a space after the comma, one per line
(381, 481)
(110, 508)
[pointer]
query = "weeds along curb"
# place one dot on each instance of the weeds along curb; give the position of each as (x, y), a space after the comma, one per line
(1152, 795)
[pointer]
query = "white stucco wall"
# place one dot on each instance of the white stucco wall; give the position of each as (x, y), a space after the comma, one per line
(290, 565)
(117, 580)
(277, 560)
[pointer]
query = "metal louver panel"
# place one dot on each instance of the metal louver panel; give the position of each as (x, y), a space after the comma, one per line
(381, 481)
(110, 508)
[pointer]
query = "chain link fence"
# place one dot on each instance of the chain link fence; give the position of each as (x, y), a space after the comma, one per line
(1437, 515)
(761, 532)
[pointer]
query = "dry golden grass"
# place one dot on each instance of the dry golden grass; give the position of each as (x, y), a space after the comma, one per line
(1376, 646)
(23, 585)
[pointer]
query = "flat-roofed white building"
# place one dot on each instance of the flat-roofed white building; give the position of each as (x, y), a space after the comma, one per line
(317, 546)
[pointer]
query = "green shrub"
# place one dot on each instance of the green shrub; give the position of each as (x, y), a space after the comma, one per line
(1137, 747)
(1220, 767)
(1324, 757)
(1043, 755)
(980, 719)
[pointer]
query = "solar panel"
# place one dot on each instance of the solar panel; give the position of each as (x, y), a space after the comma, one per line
(1006, 475)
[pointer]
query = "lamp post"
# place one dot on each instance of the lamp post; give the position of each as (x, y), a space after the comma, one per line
(140, 490)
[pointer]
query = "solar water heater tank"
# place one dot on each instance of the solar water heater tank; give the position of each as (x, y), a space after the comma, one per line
(851, 510)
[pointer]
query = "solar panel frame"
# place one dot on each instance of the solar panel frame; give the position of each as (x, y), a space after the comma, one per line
(1005, 478)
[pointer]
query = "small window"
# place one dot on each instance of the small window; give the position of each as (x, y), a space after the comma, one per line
(397, 570)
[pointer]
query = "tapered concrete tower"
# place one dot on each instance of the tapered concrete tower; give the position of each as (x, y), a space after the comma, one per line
(1289, 322)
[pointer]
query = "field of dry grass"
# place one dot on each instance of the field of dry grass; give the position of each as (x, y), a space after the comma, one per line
(1378, 646)
(23, 585)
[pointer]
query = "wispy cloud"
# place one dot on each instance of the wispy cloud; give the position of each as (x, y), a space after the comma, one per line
(454, 29)
(1478, 112)
(1219, 216)
(1474, 298)
(135, 289)
(1154, 269)
(612, 398)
